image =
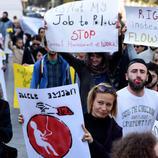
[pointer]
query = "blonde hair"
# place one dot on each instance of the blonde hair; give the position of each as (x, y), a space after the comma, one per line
(107, 88)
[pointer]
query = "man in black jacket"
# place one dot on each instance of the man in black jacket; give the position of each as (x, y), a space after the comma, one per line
(6, 132)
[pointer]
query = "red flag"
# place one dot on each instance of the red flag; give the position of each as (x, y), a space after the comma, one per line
(64, 110)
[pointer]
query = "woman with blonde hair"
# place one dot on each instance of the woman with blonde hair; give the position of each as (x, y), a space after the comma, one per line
(100, 127)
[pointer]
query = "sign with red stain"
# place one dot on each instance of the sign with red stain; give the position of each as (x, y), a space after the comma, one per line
(49, 136)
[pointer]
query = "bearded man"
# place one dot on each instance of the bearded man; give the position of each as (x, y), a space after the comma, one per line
(137, 105)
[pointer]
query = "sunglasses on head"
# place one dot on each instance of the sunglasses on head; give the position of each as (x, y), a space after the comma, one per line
(105, 89)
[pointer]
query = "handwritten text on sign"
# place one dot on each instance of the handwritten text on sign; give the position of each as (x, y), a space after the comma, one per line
(83, 26)
(142, 26)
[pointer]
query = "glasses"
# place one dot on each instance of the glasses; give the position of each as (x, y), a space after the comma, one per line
(41, 31)
(137, 46)
(36, 44)
(105, 89)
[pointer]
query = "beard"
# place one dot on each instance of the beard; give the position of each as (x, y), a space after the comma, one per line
(136, 87)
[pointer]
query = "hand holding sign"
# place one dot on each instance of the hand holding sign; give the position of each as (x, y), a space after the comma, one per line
(87, 136)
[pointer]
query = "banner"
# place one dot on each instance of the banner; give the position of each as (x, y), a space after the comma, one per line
(142, 26)
(31, 25)
(83, 26)
(22, 79)
(2, 79)
(52, 122)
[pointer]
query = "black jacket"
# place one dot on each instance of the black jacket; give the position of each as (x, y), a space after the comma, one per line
(6, 131)
(104, 132)
(85, 75)
(5, 122)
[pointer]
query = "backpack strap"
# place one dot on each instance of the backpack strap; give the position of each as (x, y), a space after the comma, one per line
(41, 70)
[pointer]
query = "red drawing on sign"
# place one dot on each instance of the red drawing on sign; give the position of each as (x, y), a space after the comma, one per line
(47, 109)
(49, 136)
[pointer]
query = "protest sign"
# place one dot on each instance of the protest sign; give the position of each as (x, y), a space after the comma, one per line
(142, 26)
(142, 2)
(83, 26)
(52, 122)
(2, 80)
(22, 79)
(31, 25)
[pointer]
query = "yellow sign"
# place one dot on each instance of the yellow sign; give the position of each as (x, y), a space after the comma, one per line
(22, 79)
(2, 54)
(65, 1)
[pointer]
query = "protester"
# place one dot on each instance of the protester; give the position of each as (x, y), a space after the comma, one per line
(41, 33)
(135, 145)
(155, 57)
(17, 31)
(5, 23)
(100, 129)
(30, 53)
(41, 52)
(4, 67)
(153, 69)
(137, 105)
(6, 132)
(27, 40)
(91, 72)
(51, 71)
(140, 48)
(81, 56)
(18, 50)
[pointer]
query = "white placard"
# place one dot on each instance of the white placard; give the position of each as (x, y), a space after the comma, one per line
(52, 122)
(83, 26)
(142, 28)
(31, 25)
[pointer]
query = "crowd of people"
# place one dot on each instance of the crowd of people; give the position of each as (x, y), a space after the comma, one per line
(118, 92)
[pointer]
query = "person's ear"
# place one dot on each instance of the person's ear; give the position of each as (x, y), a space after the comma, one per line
(126, 76)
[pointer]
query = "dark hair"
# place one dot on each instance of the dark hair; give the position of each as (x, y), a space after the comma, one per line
(36, 37)
(42, 50)
(41, 28)
(15, 17)
(18, 38)
(5, 12)
(153, 67)
(103, 55)
(137, 60)
(104, 65)
(135, 145)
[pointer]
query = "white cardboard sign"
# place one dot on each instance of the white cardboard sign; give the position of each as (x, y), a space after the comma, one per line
(142, 28)
(52, 122)
(83, 26)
